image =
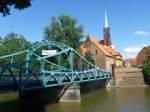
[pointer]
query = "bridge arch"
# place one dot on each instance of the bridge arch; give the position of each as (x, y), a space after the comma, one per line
(50, 74)
(49, 44)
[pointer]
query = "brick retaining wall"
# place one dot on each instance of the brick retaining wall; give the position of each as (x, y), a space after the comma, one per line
(126, 77)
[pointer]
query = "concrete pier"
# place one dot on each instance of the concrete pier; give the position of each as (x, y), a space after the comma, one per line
(111, 83)
(71, 94)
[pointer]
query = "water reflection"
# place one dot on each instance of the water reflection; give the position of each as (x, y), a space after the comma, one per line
(99, 101)
(31, 107)
(64, 107)
(8, 102)
(102, 100)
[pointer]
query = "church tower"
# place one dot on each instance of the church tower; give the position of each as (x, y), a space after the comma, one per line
(106, 32)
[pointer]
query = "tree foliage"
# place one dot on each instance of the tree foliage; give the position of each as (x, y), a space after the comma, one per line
(13, 43)
(5, 5)
(146, 73)
(1, 41)
(146, 68)
(64, 29)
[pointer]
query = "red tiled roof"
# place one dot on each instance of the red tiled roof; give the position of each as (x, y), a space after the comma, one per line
(107, 50)
(131, 60)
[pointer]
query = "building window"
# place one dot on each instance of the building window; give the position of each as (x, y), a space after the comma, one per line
(96, 52)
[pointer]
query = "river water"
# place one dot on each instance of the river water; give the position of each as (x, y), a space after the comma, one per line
(101, 100)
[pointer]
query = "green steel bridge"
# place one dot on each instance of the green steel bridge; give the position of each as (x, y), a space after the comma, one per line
(29, 69)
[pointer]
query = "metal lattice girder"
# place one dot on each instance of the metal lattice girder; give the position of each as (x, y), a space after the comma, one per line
(37, 71)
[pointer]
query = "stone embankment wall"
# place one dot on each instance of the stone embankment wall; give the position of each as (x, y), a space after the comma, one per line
(128, 77)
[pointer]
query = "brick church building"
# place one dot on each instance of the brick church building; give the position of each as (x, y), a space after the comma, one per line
(103, 54)
(143, 55)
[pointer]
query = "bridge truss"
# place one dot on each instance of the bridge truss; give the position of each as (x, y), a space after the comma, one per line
(28, 69)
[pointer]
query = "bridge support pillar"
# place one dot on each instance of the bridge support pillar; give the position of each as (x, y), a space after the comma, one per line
(71, 94)
(111, 83)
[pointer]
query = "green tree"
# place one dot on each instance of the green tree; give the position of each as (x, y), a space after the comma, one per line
(13, 43)
(18, 4)
(146, 68)
(1, 41)
(1, 44)
(64, 29)
(146, 72)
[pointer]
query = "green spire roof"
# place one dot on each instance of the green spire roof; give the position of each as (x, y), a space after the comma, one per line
(106, 20)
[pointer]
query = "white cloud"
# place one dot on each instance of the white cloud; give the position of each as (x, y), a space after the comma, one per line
(145, 45)
(142, 33)
(132, 51)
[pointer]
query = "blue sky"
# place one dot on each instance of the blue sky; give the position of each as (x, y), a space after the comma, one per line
(129, 20)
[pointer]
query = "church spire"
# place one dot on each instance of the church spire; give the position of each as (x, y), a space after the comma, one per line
(106, 20)
(106, 32)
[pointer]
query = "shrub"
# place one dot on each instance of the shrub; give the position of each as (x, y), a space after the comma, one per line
(146, 71)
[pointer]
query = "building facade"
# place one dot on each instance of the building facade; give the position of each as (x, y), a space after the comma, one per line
(103, 54)
(142, 56)
(132, 62)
